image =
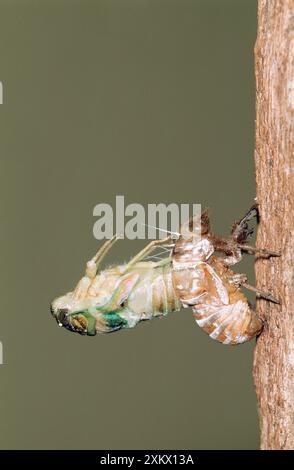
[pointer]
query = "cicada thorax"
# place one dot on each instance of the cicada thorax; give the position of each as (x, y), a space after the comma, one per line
(203, 282)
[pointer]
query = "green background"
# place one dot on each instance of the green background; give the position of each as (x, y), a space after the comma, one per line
(153, 100)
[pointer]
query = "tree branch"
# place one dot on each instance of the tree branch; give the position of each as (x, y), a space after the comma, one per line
(274, 161)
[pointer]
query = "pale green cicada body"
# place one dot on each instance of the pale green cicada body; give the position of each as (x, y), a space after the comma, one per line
(118, 297)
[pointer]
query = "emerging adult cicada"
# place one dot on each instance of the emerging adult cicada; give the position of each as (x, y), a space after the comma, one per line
(195, 273)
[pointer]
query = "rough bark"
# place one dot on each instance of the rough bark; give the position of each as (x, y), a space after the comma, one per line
(274, 161)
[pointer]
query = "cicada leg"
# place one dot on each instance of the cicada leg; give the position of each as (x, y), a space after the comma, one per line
(252, 250)
(147, 251)
(92, 268)
(240, 229)
(261, 293)
(240, 280)
(234, 246)
(93, 264)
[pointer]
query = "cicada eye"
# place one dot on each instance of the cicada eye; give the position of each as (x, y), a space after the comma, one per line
(61, 316)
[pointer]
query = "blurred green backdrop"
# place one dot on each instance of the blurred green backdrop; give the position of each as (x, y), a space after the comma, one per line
(153, 100)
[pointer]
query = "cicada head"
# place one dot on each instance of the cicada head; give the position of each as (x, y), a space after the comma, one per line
(88, 315)
(73, 316)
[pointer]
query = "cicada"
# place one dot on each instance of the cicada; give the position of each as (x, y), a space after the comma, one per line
(194, 272)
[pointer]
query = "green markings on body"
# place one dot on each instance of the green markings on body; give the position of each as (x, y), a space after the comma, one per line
(114, 320)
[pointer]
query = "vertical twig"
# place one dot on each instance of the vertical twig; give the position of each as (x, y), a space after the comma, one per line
(274, 161)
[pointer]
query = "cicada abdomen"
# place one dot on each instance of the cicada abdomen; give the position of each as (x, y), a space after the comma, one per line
(204, 282)
(118, 297)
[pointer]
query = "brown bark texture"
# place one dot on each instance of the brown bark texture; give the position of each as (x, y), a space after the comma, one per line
(274, 161)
